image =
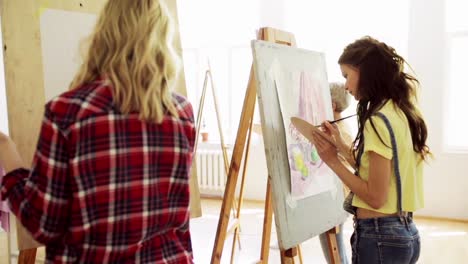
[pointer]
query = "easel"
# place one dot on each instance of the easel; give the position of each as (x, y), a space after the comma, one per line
(201, 105)
(208, 75)
(225, 224)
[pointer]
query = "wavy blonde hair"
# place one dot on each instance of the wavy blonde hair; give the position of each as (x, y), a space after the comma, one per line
(131, 47)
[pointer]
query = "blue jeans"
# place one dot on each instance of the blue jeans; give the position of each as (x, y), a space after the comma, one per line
(340, 245)
(385, 240)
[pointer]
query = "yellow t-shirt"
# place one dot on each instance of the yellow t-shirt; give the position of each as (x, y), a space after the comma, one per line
(345, 132)
(410, 162)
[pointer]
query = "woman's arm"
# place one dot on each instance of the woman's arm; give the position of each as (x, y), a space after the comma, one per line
(374, 191)
(348, 157)
(342, 141)
(40, 198)
(9, 156)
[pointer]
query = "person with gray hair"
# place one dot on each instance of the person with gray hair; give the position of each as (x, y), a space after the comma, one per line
(340, 101)
(340, 98)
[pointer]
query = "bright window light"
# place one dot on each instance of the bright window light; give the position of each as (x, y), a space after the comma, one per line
(218, 33)
(455, 138)
(455, 134)
(321, 26)
(221, 31)
(455, 13)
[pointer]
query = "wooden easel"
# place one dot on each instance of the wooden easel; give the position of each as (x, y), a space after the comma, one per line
(209, 76)
(236, 206)
(201, 105)
(226, 225)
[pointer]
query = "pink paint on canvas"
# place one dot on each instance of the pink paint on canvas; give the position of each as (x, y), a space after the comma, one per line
(305, 163)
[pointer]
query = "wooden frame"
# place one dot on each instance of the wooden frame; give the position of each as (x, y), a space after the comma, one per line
(25, 84)
(226, 225)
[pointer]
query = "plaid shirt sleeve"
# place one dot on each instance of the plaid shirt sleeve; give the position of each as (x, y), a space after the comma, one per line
(107, 187)
(40, 197)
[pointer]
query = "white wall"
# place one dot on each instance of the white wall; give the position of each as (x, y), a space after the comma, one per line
(446, 177)
(257, 170)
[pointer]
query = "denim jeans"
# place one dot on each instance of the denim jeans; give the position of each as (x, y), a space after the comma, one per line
(385, 240)
(340, 245)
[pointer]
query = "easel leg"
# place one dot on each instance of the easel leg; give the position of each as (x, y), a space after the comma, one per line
(229, 192)
(333, 245)
(234, 241)
(241, 193)
(287, 256)
(248, 108)
(9, 242)
(27, 256)
(299, 252)
(267, 221)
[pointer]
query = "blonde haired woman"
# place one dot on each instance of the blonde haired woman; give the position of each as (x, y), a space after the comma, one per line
(110, 178)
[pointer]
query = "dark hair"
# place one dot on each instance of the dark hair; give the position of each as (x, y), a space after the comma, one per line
(381, 78)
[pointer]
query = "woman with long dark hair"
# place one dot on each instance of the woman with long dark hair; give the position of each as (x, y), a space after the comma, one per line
(388, 154)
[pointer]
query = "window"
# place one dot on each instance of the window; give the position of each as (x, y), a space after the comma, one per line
(221, 31)
(457, 44)
(218, 33)
(328, 26)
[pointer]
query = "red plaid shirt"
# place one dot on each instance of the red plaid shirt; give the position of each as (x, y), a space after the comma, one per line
(106, 187)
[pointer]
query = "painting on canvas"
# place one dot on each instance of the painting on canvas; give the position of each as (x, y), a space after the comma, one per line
(292, 82)
(303, 91)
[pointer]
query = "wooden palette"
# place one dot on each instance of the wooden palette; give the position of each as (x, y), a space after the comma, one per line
(307, 130)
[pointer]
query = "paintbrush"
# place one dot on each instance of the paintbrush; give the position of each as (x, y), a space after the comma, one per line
(337, 120)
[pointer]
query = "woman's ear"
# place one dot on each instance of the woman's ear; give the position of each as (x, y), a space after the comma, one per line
(334, 106)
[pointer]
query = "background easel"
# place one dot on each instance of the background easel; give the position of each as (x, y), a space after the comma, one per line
(235, 225)
(209, 76)
(225, 225)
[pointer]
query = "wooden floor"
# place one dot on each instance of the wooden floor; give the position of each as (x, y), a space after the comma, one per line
(442, 241)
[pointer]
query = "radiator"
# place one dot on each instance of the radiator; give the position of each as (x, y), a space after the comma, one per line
(210, 171)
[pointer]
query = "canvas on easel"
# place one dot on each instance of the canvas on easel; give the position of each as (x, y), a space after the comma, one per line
(285, 75)
(278, 181)
(302, 88)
